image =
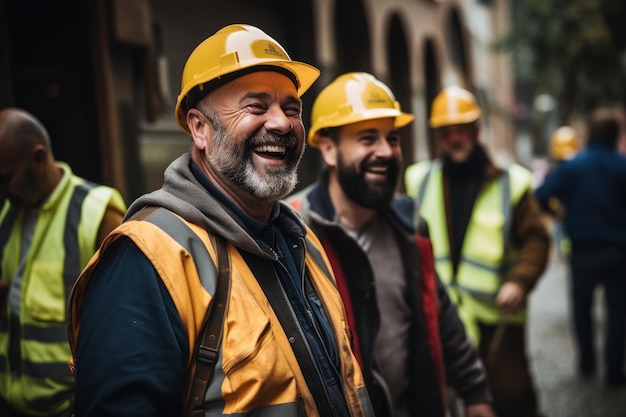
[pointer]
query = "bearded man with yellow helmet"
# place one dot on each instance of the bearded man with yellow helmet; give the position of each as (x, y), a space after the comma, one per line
(138, 310)
(490, 243)
(407, 334)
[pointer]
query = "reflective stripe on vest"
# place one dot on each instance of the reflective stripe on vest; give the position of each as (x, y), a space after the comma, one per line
(64, 238)
(53, 332)
(186, 238)
(251, 326)
(486, 254)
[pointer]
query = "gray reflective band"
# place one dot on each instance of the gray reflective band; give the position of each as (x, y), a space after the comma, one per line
(422, 190)
(185, 237)
(479, 295)
(365, 400)
(490, 268)
(71, 263)
(444, 258)
(508, 217)
(5, 230)
(275, 410)
(55, 370)
(51, 333)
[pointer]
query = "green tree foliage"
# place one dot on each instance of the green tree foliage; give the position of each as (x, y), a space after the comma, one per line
(574, 50)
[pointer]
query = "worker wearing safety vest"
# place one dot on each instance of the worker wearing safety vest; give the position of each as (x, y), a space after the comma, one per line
(51, 223)
(137, 311)
(407, 333)
(490, 243)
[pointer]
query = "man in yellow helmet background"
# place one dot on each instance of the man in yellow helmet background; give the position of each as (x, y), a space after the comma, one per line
(407, 334)
(137, 311)
(564, 144)
(490, 243)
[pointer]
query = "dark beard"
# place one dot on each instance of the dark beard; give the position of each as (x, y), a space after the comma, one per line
(354, 185)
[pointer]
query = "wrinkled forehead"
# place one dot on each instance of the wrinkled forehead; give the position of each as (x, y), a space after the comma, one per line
(262, 83)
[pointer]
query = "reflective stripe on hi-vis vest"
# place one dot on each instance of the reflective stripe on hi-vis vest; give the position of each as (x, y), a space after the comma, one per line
(33, 338)
(486, 254)
(239, 381)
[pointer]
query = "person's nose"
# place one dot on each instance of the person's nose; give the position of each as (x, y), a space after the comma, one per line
(384, 149)
(278, 121)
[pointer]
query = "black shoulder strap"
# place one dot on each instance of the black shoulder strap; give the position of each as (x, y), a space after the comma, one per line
(211, 334)
(208, 349)
(269, 282)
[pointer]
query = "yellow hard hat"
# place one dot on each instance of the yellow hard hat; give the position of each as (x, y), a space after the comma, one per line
(226, 55)
(354, 97)
(453, 106)
(564, 143)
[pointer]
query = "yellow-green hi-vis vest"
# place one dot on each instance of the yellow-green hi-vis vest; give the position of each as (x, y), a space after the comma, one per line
(34, 376)
(487, 254)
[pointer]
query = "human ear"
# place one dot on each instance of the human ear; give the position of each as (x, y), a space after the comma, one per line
(328, 149)
(39, 155)
(200, 127)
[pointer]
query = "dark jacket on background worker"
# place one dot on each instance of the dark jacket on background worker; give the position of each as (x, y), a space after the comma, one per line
(439, 349)
(592, 187)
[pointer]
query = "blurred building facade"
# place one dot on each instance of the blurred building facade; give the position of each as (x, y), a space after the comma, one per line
(105, 78)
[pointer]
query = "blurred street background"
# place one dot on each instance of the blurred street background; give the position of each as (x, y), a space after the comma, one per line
(551, 349)
(104, 80)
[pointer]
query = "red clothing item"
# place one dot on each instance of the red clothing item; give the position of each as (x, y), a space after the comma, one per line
(431, 304)
(429, 301)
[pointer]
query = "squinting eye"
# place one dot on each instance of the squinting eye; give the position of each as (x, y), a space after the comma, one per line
(292, 111)
(256, 107)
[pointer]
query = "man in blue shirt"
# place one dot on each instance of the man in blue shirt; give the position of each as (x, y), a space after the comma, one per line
(591, 188)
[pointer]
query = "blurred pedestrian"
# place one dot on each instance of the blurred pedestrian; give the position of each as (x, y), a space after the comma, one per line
(138, 310)
(51, 223)
(591, 187)
(564, 145)
(491, 245)
(400, 311)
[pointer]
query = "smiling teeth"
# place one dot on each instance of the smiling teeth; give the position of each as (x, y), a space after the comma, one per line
(378, 169)
(271, 149)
